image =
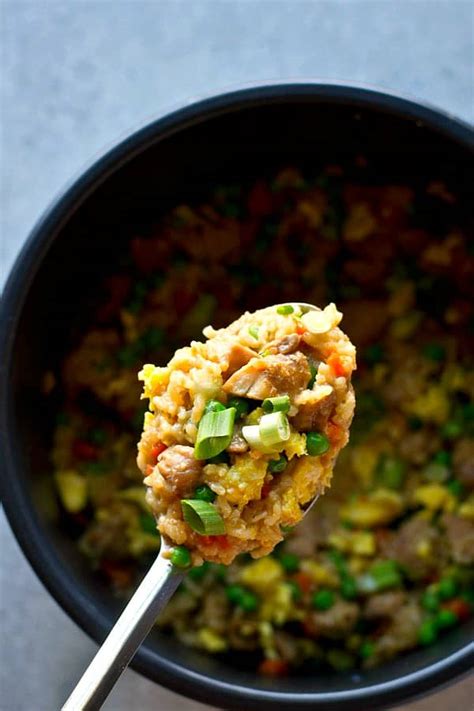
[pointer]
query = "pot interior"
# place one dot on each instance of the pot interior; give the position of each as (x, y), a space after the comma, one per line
(229, 146)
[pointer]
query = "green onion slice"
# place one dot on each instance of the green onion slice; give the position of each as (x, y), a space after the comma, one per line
(203, 517)
(214, 433)
(253, 330)
(274, 429)
(276, 404)
(251, 433)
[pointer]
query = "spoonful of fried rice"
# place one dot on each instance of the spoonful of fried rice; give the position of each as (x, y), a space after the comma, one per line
(241, 438)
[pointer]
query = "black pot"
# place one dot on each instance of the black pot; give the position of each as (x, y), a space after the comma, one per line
(247, 132)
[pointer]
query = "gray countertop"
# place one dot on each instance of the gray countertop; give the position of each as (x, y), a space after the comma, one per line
(76, 76)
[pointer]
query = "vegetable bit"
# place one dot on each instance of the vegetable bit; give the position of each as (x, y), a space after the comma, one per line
(181, 557)
(276, 404)
(203, 517)
(272, 430)
(316, 444)
(214, 433)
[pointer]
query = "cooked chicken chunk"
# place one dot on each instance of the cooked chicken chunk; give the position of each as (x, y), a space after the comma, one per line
(460, 534)
(286, 345)
(384, 604)
(270, 376)
(179, 468)
(335, 622)
(238, 445)
(314, 409)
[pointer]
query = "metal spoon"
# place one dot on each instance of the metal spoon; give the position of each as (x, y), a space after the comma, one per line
(134, 623)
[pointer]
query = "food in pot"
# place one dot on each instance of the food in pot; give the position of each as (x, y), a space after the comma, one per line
(385, 561)
(244, 430)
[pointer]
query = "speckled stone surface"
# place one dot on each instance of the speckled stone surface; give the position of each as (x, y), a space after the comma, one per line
(75, 76)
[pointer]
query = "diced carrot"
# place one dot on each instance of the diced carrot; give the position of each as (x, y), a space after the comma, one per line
(460, 608)
(333, 432)
(300, 330)
(156, 450)
(273, 667)
(304, 581)
(335, 362)
(84, 450)
(221, 541)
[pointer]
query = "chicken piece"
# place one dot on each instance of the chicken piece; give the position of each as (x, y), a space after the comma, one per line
(231, 353)
(463, 461)
(270, 376)
(238, 445)
(335, 622)
(314, 409)
(384, 604)
(415, 546)
(179, 468)
(401, 634)
(285, 346)
(460, 534)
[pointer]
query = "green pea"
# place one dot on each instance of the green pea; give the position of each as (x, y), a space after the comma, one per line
(348, 587)
(242, 406)
(248, 602)
(181, 557)
(323, 599)
(428, 632)
(445, 619)
(366, 649)
(316, 443)
(290, 562)
(447, 588)
(275, 466)
(430, 601)
(204, 493)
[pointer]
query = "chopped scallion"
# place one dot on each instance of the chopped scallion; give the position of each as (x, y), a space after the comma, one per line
(274, 429)
(253, 330)
(285, 309)
(203, 517)
(214, 433)
(213, 406)
(276, 404)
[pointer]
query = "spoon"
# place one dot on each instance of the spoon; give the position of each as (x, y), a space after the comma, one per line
(134, 623)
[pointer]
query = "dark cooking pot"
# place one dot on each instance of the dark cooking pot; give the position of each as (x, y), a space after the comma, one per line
(243, 133)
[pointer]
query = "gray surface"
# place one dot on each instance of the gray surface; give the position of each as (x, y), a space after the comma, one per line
(78, 74)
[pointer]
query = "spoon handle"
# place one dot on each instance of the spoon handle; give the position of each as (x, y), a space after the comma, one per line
(128, 633)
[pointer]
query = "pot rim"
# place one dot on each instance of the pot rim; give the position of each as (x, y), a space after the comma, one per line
(25, 522)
